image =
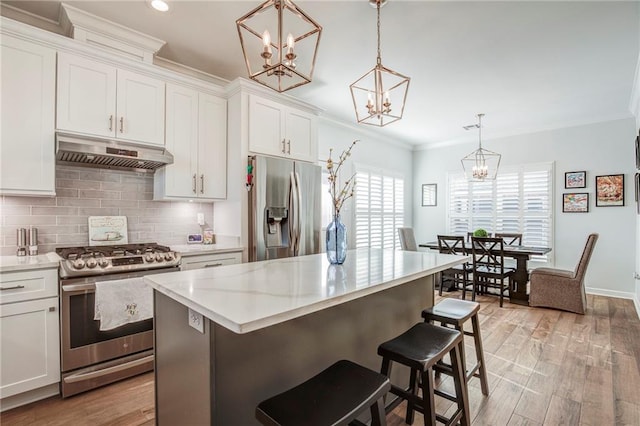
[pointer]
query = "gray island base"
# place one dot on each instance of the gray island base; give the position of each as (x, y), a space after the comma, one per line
(219, 376)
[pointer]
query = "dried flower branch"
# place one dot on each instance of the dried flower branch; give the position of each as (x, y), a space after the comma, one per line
(348, 189)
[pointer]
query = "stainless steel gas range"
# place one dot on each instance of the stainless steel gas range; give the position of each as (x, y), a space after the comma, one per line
(91, 357)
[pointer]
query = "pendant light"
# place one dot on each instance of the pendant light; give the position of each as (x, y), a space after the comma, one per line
(379, 96)
(279, 43)
(481, 164)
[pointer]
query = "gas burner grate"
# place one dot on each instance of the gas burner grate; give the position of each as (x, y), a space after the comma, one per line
(137, 249)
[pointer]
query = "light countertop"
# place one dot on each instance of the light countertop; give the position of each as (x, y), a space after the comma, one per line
(25, 263)
(251, 296)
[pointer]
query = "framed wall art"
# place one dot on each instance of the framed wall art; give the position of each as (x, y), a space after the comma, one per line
(610, 190)
(575, 179)
(429, 195)
(575, 202)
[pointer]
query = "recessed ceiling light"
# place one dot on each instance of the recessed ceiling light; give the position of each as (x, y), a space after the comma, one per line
(160, 5)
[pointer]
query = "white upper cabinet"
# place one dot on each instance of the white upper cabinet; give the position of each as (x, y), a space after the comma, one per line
(27, 147)
(197, 137)
(98, 99)
(280, 130)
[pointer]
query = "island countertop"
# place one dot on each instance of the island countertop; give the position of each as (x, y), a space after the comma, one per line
(251, 296)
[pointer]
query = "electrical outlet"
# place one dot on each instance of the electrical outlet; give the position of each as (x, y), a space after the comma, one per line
(196, 321)
(201, 219)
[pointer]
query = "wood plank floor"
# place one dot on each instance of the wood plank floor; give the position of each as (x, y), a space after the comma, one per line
(545, 367)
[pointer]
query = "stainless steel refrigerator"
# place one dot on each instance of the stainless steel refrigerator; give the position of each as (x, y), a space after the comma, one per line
(284, 208)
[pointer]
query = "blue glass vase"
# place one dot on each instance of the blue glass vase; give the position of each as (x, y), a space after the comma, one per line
(336, 241)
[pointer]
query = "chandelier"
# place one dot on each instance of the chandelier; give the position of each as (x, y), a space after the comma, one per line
(279, 43)
(379, 95)
(481, 164)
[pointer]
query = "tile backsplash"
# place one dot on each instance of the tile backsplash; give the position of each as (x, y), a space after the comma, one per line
(82, 192)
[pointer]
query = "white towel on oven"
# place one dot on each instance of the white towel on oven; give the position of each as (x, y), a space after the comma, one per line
(120, 302)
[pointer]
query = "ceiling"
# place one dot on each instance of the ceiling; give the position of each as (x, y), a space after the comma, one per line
(528, 66)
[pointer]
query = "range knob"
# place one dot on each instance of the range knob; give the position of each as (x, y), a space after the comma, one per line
(168, 257)
(91, 262)
(149, 257)
(78, 263)
(159, 257)
(103, 263)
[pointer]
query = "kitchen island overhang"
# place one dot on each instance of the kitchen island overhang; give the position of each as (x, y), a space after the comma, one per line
(300, 315)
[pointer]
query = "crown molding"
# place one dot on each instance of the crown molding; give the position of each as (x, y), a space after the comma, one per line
(366, 131)
(29, 18)
(243, 85)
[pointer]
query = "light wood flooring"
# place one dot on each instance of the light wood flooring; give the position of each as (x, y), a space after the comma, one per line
(546, 367)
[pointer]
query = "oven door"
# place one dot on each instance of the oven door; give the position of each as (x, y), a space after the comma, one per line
(82, 342)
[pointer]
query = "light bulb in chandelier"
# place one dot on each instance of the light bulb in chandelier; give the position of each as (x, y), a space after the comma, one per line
(481, 164)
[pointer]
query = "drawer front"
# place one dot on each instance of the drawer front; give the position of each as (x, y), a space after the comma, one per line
(28, 285)
(210, 261)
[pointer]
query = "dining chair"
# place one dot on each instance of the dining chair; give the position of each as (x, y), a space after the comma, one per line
(407, 239)
(510, 239)
(488, 266)
(459, 274)
(560, 289)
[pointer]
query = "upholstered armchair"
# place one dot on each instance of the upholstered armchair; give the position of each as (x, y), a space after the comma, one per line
(559, 289)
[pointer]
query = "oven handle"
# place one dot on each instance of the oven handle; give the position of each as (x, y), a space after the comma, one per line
(103, 372)
(78, 287)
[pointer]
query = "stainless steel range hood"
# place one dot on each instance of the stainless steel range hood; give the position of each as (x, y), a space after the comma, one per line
(75, 150)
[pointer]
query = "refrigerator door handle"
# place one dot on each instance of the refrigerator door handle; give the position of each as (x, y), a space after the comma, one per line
(298, 215)
(293, 213)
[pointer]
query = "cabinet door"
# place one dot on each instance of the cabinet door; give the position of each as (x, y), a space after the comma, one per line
(212, 147)
(182, 142)
(30, 349)
(86, 96)
(266, 127)
(301, 135)
(27, 147)
(140, 108)
(210, 261)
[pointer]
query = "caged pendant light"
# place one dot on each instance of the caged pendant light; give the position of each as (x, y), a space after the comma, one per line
(279, 43)
(481, 164)
(379, 96)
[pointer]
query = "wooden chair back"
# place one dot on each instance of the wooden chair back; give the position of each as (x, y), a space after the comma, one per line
(510, 239)
(451, 244)
(407, 239)
(488, 252)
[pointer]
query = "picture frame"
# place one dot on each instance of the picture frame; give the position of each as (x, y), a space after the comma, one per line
(575, 179)
(429, 195)
(610, 190)
(575, 202)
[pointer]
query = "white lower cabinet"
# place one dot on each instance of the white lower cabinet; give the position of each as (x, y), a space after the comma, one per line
(210, 260)
(30, 349)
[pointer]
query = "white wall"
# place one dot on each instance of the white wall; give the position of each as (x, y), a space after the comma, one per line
(601, 148)
(372, 150)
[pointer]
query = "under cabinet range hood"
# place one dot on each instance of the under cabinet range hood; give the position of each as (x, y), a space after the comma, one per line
(75, 150)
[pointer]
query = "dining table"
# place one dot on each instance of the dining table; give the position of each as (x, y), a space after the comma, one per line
(518, 284)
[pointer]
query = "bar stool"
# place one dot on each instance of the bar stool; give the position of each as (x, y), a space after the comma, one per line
(456, 312)
(335, 396)
(420, 348)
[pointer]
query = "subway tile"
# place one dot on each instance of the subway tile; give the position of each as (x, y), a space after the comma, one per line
(154, 236)
(119, 203)
(47, 238)
(154, 204)
(106, 211)
(73, 239)
(29, 201)
(155, 219)
(15, 210)
(8, 251)
(131, 212)
(72, 220)
(137, 179)
(57, 211)
(139, 196)
(145, 187)
(67, 174)
(121, 187)
(66, 192)
(83, 228)
(78, 202)
(100, 176)
(112, 195)
(57, 229)
(30, 220)
(78, 184)
(140, 227)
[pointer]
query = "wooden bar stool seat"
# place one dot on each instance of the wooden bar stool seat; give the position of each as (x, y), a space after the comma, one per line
(335, 396)
(420, 348)
(455, 312)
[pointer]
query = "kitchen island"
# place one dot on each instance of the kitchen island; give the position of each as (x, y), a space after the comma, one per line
(229, 337)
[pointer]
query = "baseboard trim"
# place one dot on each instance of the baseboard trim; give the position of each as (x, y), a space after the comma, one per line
(616, 294)
(28, 397)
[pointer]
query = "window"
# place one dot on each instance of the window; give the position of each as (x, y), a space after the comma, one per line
(519, 200)
(379, 202)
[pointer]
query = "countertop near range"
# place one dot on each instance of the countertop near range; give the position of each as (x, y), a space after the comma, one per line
(26, 263)
(199, 249)
(251, 296)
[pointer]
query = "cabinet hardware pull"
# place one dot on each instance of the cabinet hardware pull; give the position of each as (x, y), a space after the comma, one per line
(212, 265)
(15, 287)
(202, 184)
(283, 150)
(122, 124)
(288, 146)
(52, 308)
(194, 184)
(111, 123)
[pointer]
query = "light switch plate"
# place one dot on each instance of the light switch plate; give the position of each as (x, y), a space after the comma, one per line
(200, 219)
(196, 321)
